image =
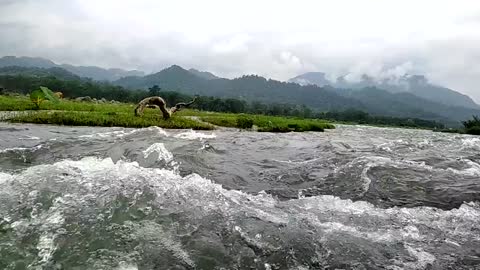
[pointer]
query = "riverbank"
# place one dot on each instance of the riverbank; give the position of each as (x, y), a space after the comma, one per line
(74, 113)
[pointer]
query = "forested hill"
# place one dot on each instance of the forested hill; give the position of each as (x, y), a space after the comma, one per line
(250, 88)
(92, 72)
(254, 88)
(57, 72)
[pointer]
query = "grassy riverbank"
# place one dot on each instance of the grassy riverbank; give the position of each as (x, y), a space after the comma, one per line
(74, 113)
(263, 123)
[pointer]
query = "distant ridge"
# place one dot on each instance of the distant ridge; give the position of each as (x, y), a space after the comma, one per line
(375, 100)
(415, 84)
(203, 74)
(95, 73)
(39, 72)
(406, 97)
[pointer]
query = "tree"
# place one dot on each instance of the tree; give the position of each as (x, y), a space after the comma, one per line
(154, 90)
(472, 126)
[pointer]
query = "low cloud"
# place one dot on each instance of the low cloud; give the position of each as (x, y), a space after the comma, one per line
(276, 39)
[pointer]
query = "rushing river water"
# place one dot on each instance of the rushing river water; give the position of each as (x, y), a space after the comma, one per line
(351, 198)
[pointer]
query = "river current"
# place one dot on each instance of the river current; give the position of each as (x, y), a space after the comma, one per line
(351, 198)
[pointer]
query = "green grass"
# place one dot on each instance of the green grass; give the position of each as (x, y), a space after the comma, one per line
(74, 113)
(23, 103)
(109, 119)
(264, 123)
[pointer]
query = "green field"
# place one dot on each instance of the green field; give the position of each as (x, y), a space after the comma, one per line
(74, 113)
(263, 123)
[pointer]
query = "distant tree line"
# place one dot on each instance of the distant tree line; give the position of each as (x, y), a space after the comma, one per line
(77, 88)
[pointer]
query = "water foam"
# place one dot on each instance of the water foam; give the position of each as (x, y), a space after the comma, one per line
(194, 135)
(471, 143)
(159, 148)
(30, 138)
(122, 133)
(369, 162)
(199, 197)
(21, 149)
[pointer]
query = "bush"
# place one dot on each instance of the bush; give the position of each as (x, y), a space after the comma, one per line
(244, 122)
(475, 130)
(472, 126)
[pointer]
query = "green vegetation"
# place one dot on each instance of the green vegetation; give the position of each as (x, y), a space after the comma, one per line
(76, 113)
(108, 119)
(73, 88)
(266, 123)
(472, 126)
(79, 88)
(248, 94)
(43, 94)
(360, 117)
(23, 103)
(244, 122)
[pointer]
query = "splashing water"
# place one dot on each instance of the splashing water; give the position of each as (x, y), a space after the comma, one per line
(151, 199)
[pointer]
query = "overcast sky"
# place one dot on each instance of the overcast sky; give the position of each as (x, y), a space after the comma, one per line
(273, 38)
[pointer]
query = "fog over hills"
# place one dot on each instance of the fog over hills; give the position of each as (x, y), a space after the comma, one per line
(417, 98)
(414, 84)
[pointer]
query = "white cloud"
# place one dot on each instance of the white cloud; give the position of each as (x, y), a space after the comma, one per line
(277, 39)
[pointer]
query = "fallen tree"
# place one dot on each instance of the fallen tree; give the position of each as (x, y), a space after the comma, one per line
(160, 103)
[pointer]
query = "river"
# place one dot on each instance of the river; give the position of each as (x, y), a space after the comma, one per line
(351, 198)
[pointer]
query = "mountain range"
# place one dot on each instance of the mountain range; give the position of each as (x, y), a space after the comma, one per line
(93, 72)
(372, 99)
(415, 84)
(409, 96)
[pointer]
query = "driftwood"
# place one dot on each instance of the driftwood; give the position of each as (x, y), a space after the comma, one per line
(160, 103)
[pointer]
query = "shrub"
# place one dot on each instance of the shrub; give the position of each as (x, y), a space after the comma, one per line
(472, 126)
(42, 94)
(475, 130)
(244, 122)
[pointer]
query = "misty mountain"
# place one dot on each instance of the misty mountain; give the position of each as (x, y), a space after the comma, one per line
(408, 105)
(415, 84)
(203, 74)
(95, 73)
(251, 88)
(316, 78)
(57, 72)
(374, 100)
(101, 74)
(174, 77)
(26, 62)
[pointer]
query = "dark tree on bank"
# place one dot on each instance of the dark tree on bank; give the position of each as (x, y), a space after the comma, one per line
(154, 90)
(472, 126)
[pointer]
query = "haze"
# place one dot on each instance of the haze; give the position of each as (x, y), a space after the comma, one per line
(275, 39)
